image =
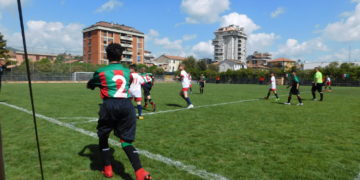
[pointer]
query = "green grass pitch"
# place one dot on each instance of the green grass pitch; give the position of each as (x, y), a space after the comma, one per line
(246, 140)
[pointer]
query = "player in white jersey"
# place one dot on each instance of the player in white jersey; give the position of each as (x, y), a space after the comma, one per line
(135, 88)
(328, 84)
(185, 82)
(272, 87)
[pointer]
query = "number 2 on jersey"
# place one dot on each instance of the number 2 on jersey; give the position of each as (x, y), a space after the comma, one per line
(120, 85)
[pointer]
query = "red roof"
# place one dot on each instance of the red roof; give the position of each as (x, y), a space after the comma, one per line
(281, 60)
(175, 57)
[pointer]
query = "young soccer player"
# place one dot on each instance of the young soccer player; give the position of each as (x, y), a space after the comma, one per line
(117, 112)
(328, 83)
(185, 82)
(295, 84)
(202, 82)
(317, 84)
(149, 83)
(135, 89)
(3, 67)
(272, 87)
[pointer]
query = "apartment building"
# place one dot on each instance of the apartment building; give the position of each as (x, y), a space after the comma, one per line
(98, 36)
(230, 44)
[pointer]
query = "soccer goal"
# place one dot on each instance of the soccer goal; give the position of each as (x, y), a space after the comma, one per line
(82, 76)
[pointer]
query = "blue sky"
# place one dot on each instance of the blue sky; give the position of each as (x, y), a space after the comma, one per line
(320, 30)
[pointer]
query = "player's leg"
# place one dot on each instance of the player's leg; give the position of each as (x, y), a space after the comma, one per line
(153, 105)
(319, 89)
(104, 128)
(276, 95)
(268, 94)
(0, 82)
(139, 107)
(125, 130)
(292, 91)
(313, 89)
(146, 95)
(187, 98)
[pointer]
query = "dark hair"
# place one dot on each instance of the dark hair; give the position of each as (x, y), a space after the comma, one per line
(132, 66)
(114, 52)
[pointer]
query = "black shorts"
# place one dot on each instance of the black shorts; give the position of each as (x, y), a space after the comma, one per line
(294, 91)
(202, 84)
(118, 115)
(318, 87)
(147, 88)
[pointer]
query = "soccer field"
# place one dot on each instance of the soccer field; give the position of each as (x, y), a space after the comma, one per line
(232, 133)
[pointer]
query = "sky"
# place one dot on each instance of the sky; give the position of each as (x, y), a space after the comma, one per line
(321, 30)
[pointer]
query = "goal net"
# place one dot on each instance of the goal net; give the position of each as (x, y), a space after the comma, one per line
(82, 76)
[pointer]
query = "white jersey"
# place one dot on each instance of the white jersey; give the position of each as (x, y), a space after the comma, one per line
(273, 82)
(328, 79)
(185, 82)
(135, 86)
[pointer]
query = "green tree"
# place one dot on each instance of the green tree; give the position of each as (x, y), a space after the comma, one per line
(3, 50)
(201, 65)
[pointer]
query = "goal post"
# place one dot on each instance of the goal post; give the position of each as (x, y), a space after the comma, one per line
(82, 76)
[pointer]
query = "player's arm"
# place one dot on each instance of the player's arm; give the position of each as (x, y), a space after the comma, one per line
(153, 79)
(94, 82)
(297, 86)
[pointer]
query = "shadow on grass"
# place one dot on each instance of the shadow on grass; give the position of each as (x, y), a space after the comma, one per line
(92, 152)
(174, 105)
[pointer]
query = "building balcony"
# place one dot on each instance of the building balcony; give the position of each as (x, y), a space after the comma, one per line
(126, 38)
(126, 45)
(126, 60)
(127, 52)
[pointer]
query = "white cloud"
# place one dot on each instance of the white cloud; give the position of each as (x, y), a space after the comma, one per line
(342, 55)
(261, 41)
(355, 1)
(109, 6)
(168, 44)
(277, 12)
(188, 37)
(204, 11)
(153, 33)
(50, 37)
(293, 48)
(203, 49)
(241, 20)
(7, 3)
(345, 30)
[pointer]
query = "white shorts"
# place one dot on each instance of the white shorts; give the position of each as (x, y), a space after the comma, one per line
(135, 93)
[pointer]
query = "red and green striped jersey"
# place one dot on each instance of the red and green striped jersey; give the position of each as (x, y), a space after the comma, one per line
(113, 80)
(148, 77)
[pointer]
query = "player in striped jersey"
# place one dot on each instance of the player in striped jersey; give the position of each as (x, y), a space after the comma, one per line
(117, 112)
(135, 89)
(185, 82)
(149, 83)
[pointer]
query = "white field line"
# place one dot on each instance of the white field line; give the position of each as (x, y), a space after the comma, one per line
(357, 177)
(188, 168)
(94, 119)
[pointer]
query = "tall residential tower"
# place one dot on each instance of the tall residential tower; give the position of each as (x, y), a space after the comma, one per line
(230, 44)
(98, 36)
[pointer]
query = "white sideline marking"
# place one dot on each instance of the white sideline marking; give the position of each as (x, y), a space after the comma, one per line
(357, 177)
(93, 119)
(188, 168)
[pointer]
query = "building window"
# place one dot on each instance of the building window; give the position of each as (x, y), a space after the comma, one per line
(138, 59)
